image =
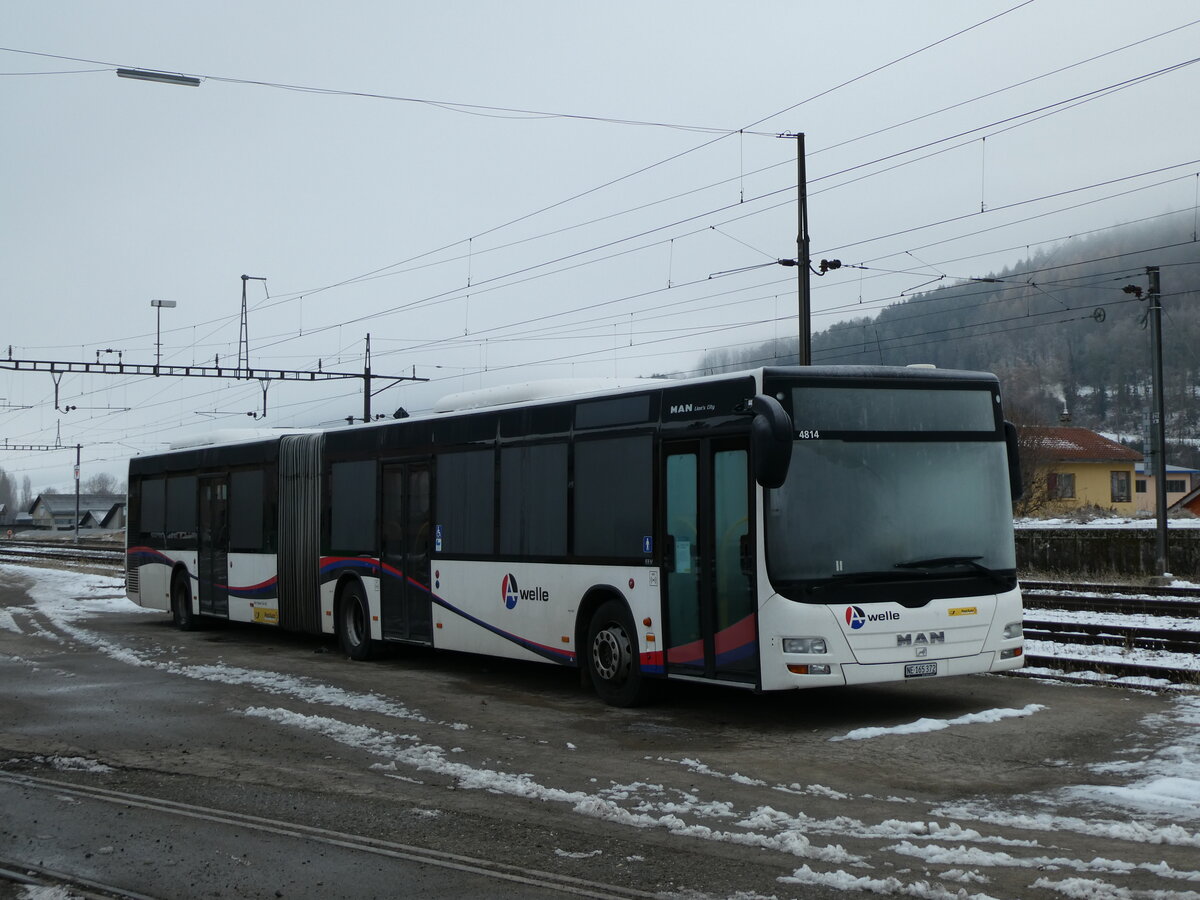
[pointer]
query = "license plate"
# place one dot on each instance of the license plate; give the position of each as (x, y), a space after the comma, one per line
(916, 670)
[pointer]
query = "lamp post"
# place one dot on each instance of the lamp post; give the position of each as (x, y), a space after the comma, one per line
(158, 308)
(1158, 425)
(160, 77)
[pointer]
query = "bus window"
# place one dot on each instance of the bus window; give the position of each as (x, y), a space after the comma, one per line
(613, 496)
(533, 500)
(181, 506)
(466, 501)
(247, 505)
(153, 518)
(352, 506)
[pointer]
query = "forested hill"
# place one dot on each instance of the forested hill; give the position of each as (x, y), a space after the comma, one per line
(1056, 327)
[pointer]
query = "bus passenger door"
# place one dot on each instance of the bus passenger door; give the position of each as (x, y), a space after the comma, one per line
(404, 585)
(212, 558)
(712, 630)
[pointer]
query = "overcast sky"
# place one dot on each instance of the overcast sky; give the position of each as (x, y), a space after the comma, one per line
(502, 192)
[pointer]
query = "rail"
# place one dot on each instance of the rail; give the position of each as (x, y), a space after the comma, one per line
(1151, 627)
(87, 556)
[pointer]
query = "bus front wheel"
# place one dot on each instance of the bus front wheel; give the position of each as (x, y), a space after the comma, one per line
(612, 657)
(354, 623)
(181, 603)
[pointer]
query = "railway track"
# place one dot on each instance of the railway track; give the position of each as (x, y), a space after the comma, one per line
(88, 556)
(509, 878)
(1107, 588)
(1141, 632)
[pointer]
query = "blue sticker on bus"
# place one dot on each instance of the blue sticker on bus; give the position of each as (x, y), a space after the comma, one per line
(647, 544)
(437, 538)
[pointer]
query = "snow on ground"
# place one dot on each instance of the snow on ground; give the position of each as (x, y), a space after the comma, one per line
(1184, 623)
(1107, 522)
(1156, 802)
(69, 598)
(927, 725)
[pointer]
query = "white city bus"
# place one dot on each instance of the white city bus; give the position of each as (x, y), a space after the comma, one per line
(773, 529)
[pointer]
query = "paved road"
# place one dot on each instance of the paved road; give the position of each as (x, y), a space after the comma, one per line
(242, 762)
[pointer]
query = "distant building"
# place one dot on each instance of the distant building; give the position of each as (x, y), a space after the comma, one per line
(1180, 482)
(1078, 468)
(57, 511)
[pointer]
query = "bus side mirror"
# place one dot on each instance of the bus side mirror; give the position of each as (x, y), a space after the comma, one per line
(770, 440)
(1015, 485)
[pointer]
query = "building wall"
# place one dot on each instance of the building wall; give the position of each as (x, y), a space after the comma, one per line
(1145, 501)
(42, 517)
(1093, 487)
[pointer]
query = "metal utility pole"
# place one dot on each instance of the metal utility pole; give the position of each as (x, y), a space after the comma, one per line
(1158, 423)
(57, 368)
(243, 332)
(77, 449)
(158, 308)
(367, 381)
(50, 447)
(802, 258)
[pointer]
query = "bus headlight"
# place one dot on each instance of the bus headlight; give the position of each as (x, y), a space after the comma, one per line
(804, 645)
(1013, 630)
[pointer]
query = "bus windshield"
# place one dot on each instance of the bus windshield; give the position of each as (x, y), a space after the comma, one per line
(886, 507)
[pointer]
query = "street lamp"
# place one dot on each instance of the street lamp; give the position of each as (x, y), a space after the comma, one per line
(161, 77)
(158, 306)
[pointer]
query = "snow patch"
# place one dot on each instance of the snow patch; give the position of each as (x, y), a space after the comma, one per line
(927, 725)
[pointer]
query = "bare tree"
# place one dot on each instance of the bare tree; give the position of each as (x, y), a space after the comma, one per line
(101, 483)
(8, 491)
(1036, 466)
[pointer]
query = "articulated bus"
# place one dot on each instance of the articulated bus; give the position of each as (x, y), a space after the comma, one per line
(781, 528)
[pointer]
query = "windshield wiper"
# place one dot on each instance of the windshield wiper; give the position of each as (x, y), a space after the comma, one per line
(842, 579)
(945, 562)
(942, 562)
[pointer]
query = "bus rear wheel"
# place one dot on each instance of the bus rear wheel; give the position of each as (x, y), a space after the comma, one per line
(354, 623)
(181, 603)
(612, 657)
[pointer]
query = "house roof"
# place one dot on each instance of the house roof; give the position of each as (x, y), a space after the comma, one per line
(1141, 467)
(1186, 501)
(1066, 443)
(64, 504)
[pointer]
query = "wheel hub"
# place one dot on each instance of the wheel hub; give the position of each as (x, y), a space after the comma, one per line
(612, 654)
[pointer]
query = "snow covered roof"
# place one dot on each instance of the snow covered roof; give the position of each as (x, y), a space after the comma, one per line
(64, 504)
(1062, 442)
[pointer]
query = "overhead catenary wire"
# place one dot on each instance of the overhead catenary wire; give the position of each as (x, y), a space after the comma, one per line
(1098, 91)
(493, 370)
(642, 170)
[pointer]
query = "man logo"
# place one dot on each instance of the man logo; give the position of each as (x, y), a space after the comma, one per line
(510, 591)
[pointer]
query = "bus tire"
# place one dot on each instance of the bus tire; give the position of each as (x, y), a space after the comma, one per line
(181, 602)
(612, 657)
(354, 623)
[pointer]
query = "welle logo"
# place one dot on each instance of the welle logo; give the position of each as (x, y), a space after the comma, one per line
(511, 592)
(856, 618)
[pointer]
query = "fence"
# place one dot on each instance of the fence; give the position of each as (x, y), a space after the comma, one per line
(1105, 552)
